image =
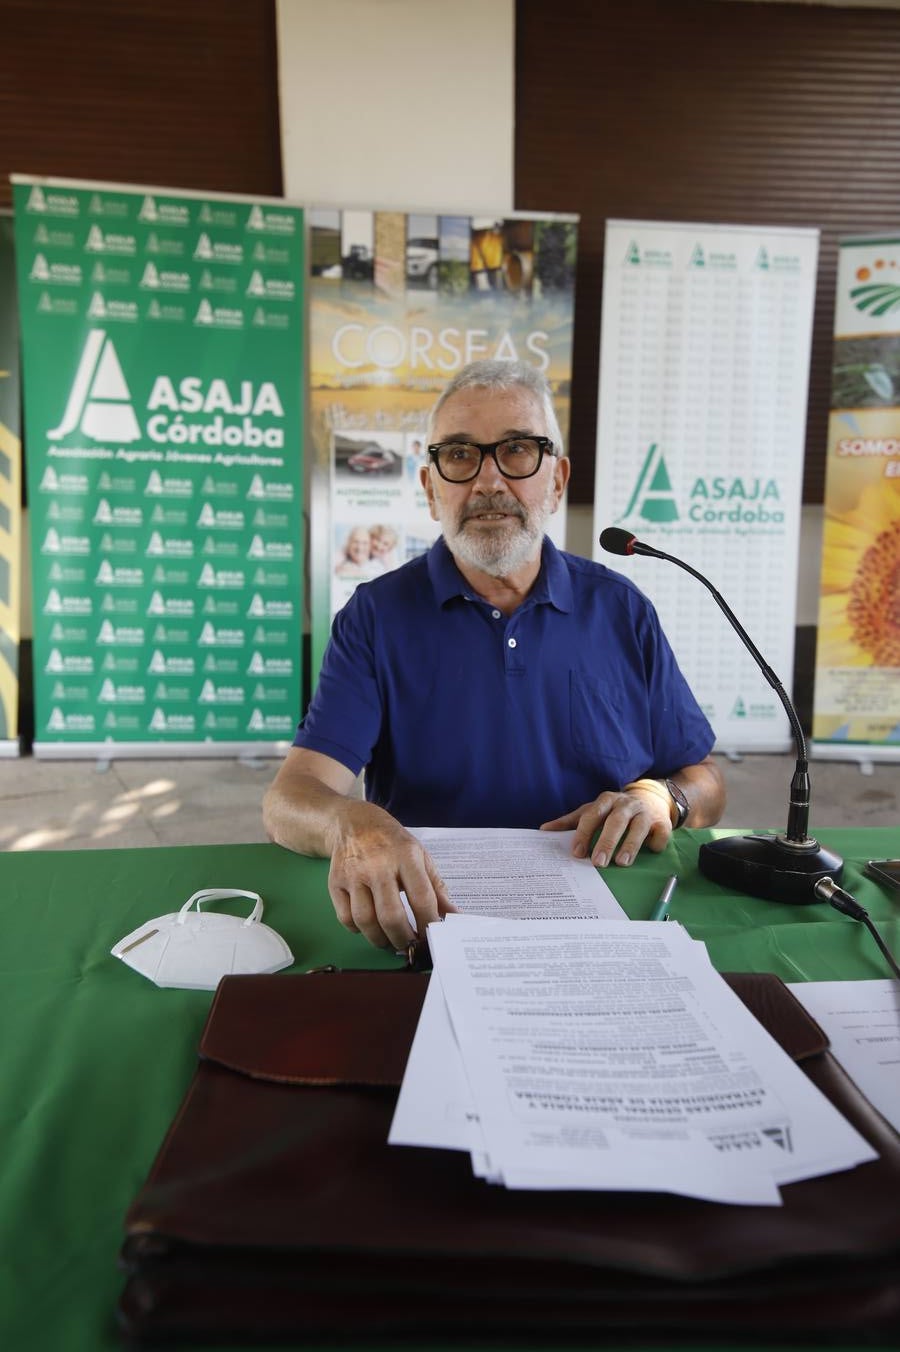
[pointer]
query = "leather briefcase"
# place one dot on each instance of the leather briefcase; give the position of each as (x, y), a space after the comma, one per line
(276, 1209)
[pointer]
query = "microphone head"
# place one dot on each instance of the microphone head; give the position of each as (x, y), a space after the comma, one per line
(617, 541)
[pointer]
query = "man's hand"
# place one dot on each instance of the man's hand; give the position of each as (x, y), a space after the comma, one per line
(628, 821)
(641, 814)
(309, 808)
(373, 860)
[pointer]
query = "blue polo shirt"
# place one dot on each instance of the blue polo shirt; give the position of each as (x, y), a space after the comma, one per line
(464, 716)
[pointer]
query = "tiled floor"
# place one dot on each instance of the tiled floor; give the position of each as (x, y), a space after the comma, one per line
(73, 805)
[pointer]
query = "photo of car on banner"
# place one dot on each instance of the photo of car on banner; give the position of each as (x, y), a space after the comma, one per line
(398, 304)
(422, 253)
(365, 456)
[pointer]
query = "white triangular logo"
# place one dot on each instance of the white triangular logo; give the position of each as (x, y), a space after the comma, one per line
(99, 401)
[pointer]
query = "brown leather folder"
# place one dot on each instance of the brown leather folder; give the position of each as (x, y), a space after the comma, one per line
(276, 1209)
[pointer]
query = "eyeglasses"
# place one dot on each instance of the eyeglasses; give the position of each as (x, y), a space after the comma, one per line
(515, 457)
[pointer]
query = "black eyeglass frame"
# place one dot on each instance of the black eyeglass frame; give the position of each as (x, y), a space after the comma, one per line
(544, 444)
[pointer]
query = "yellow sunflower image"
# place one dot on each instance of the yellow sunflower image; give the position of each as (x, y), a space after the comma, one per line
(859, 614)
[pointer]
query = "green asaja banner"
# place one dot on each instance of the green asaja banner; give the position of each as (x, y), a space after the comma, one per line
(162, 361)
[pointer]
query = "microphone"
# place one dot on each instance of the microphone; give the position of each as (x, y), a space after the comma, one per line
(784, 867)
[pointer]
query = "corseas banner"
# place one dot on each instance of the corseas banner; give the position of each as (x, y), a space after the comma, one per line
(10, 496)
(162, 350)
(398, 304)
(704, 375)
(856, 707)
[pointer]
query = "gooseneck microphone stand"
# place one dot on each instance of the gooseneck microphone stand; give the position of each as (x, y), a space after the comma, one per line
(777, 867)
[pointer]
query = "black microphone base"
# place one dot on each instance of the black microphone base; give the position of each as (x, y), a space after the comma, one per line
(771, 867)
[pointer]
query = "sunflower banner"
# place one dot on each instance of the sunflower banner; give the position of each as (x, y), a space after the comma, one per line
(856, 710)
(10, 496)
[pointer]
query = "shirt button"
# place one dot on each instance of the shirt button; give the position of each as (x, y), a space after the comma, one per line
(511, 642)
(496, 614)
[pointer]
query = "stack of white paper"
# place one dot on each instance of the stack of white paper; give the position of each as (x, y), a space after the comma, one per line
(607, 1055)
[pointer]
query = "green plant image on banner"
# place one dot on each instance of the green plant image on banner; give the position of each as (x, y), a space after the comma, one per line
(399, 302)
(10, 495)
(162, 359)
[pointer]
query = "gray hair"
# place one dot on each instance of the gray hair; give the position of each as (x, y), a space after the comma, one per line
(503, 375)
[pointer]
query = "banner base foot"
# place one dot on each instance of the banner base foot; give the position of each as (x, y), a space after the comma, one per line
(109, 751)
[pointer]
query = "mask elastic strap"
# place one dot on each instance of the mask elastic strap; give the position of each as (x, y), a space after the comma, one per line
(221, 894)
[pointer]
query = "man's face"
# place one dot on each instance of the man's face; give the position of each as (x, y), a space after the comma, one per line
(490, 523)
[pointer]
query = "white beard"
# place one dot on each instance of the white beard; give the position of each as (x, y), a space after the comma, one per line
(499, 550)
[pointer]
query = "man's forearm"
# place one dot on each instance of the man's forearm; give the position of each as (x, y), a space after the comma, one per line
(302, 814)
(311, 804)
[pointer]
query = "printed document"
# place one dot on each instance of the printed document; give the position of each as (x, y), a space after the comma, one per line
(529, 875)
(861, 1020)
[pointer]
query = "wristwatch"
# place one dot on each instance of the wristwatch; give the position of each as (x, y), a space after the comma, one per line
(682, 806)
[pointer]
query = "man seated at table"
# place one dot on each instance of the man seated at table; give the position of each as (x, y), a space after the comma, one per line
(494, 681)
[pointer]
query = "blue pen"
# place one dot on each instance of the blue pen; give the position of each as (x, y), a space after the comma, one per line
(661, 909)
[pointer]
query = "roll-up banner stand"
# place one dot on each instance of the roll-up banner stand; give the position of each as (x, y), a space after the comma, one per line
(399, 302)
(856, 702)
(10, 496)
(704, 372)
(162, 357)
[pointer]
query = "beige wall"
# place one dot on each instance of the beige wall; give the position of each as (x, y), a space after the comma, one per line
(397, 103)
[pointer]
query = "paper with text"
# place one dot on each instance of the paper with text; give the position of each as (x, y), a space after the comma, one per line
(862, 1022)
(528, 875)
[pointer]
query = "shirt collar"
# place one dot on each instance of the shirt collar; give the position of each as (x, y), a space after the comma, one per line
(553, 585)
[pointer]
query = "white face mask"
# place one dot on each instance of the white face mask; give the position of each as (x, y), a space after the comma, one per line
(193, 950)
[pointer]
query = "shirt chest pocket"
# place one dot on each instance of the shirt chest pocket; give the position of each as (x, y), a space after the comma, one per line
(605, 725)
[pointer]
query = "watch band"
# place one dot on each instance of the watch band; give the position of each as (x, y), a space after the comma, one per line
(682, 806)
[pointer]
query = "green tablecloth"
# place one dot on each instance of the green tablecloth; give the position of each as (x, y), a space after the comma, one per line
(94, 1060)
